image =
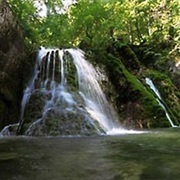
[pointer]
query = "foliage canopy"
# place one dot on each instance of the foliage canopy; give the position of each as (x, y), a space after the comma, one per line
(96, 22)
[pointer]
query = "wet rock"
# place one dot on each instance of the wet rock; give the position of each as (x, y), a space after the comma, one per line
(12, 66)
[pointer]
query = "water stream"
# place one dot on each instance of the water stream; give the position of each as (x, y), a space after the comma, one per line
(159, 99)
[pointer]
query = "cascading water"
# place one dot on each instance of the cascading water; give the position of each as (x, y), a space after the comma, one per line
(30, 87)
(64, 98)
(91, 92)
(159, 99)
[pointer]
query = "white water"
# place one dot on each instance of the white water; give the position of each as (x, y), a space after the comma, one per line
(29, 89)
(159, 99)
(52, 66)
(117, 131)
(9, 130)
(91, 92)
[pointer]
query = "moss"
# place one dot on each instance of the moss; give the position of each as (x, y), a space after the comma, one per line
(128, 56)
(169, 93)
(33, 110)
(59, 119)
(52, 126)
(70, 73)
(153, 113)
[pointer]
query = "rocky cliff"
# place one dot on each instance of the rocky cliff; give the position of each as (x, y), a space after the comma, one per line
(12, 65)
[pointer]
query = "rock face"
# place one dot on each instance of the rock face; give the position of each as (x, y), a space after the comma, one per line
(12, 54)
(137, 105)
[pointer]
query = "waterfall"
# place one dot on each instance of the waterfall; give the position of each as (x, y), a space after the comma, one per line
(90, 90)
(30, 87)
(65, 90)
(159, 99)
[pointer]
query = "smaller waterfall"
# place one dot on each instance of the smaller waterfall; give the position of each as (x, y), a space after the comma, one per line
(159, 99)
(90, 90)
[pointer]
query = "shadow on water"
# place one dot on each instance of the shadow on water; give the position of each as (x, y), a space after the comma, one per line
(154, 155)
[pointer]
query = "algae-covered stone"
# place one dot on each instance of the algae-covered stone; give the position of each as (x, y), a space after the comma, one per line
(169, 93)
(135, 95)
(58, 122)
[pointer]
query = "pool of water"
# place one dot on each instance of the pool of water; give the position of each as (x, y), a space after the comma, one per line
(154, 155)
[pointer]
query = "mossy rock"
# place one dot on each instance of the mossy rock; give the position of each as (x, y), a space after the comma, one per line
(33, 110)
(45, 116)
(135, 90)
(169, 93)
(59, 122)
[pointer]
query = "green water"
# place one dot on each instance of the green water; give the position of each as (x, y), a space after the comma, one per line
(154, 155)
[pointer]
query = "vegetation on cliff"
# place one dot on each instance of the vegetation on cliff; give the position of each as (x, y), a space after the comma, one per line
(132, 39)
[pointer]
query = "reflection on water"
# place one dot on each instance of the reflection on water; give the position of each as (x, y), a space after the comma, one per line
(154, 155)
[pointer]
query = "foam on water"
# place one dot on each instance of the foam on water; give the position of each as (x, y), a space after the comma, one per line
(121, 131)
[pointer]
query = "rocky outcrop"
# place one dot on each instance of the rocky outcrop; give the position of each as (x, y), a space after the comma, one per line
(12, 65)
(137, 105)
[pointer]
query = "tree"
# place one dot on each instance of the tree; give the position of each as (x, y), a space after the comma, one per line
(96, 22)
